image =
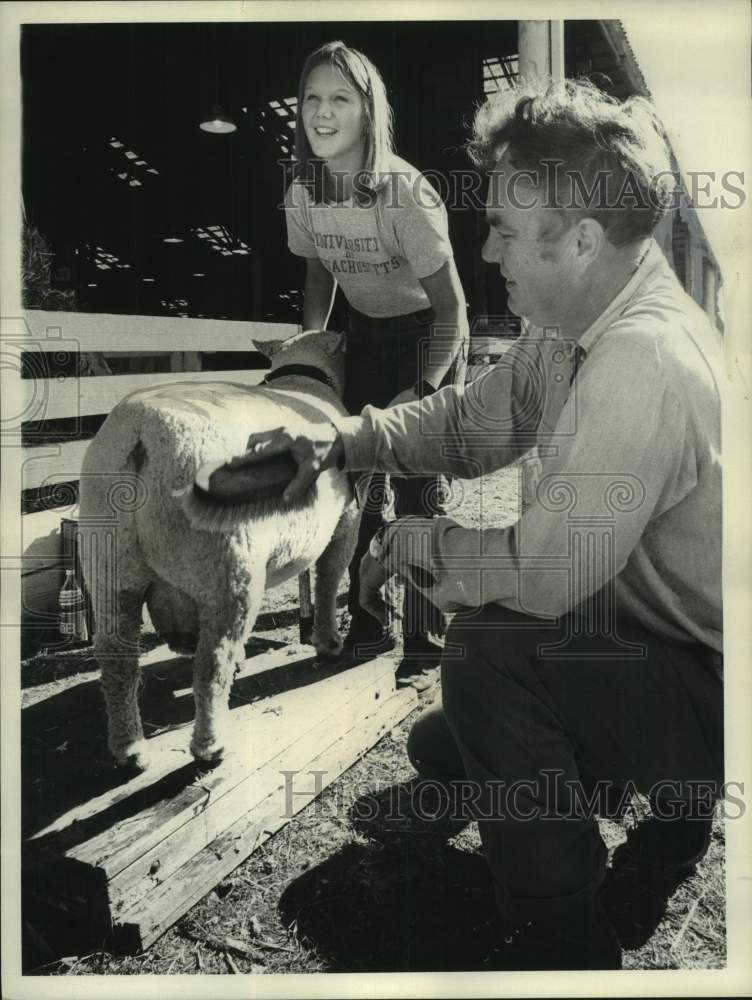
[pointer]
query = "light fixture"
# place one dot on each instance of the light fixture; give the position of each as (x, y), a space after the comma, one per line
(218, 122)
(172, 239)
(199, 274)
(148, 279)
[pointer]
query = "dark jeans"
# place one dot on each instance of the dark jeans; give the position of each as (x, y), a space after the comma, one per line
(383, 359)
(524, 727)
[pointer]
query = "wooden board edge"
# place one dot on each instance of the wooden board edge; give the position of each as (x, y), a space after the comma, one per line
(166, 856)
(360, 685)
(140, 927)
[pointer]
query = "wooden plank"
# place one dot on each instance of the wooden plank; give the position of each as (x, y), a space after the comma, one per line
(170, 748)
(217, 811)
(296, 706)
(281, 732)
(51, 399)
(47, 464)
(130, 334)
(167, 901)
(252, 733)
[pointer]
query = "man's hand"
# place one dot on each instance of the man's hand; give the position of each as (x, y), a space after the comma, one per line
(313, 452)
(406, 550)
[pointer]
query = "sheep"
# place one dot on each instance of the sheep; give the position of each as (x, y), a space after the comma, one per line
(147, 538)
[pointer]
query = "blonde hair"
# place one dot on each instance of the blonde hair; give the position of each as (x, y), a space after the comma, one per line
(366, 80)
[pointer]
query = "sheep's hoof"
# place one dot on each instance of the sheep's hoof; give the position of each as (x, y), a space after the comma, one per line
(208, 755)
(328, 650)
(134, 757)
(328, 659)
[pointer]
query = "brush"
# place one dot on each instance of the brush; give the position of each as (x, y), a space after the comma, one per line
(222, 484)
(223, 497)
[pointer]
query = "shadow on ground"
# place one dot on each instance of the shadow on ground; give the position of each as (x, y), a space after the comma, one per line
(404, 896)
(400, 897)
(392, 907)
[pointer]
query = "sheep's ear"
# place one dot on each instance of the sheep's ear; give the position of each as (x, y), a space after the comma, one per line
(269, 347)
(335, 344)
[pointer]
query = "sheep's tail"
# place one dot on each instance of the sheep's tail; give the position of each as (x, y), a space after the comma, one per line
(114, 457)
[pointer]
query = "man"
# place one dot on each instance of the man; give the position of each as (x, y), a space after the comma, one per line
(587, 647)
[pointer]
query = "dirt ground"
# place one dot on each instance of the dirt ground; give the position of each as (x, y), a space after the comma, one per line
(339, 891)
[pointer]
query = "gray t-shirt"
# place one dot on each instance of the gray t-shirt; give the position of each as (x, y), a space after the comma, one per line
(376, 253)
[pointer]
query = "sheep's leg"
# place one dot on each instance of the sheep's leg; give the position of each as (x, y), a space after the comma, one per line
(116, 649)
(223, 630)
(118, 577)
(330, 569)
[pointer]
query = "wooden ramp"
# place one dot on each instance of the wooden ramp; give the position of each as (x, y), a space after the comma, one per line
(133, 855)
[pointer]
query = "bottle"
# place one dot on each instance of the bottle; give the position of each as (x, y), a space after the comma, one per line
(72, 613)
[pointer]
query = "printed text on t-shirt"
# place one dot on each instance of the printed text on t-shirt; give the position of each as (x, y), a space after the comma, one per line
(351, 246)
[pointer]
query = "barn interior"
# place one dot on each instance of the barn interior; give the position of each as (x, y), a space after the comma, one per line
(147, 213)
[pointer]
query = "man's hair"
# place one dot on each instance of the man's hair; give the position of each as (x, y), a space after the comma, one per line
(366, 80)
(599, 158)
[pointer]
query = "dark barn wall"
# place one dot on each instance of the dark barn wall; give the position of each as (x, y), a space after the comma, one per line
(148, 85)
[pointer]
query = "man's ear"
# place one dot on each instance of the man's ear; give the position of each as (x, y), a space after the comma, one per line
(590, 239)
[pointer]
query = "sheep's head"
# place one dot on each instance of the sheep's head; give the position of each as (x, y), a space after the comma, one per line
(320, 349)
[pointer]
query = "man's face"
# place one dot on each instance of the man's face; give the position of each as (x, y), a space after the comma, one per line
(532, 246)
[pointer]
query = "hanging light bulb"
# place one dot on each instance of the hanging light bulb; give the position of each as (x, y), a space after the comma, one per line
(218, 122)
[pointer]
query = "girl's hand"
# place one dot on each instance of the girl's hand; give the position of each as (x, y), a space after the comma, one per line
(312, 452)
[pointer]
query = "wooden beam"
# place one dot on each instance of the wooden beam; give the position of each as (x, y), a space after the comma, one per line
(620, 50)
(130, 334)
(253, 732)
(54, 399)
(45, 465)
(541, 51)
(141, 926)
(143, 852)
(48, 464)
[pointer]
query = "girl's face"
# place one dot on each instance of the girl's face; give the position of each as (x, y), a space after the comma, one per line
(334, 118)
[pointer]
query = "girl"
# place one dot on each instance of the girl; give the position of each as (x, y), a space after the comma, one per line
(367, 221)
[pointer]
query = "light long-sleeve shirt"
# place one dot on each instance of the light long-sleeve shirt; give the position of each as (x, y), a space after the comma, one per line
(625, 514)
